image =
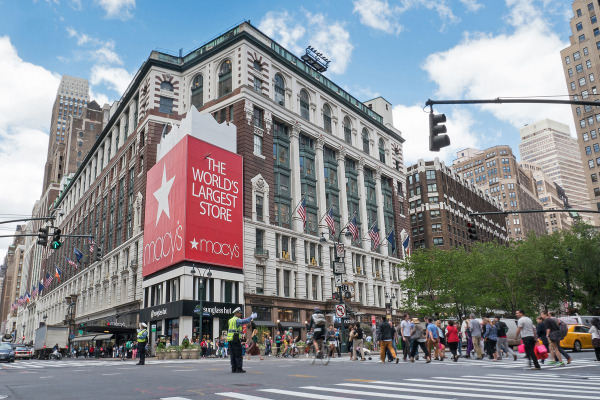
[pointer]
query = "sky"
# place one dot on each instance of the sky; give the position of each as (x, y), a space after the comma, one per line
(404, 50)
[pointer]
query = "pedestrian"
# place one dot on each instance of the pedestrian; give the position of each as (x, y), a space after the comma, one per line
(134, 350)
(475, 331)
(595, 331)
(541, 334)
(561, 337)
(386, 334)
(433, 339)
(527, 333)
(465, 329)
(204, 348)
(502, 343)
(253, 348)
(123, 352)
(277, 343)
(554, 337)
(330, 338)
(142, 339)
(114, 351)
(405, 328)
(225, 348)
(358, 343)
(338, 343)
(418, 339)
(490, 338)
(442, 344)
(92, 351)
(452, 339)
(234, 331)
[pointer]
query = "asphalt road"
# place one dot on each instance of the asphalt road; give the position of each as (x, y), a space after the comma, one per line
(276, 378)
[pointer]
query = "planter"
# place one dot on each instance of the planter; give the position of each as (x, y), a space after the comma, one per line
(300, 349)
(172, 355)
(161, 355)
(185, 354)
(194, 354)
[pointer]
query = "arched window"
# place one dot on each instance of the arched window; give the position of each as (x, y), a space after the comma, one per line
(279, 90)
(166, 86)
(381, 150)
(225, 78)
(198, 91)
(327, 118)
(304, 104)
(257, 65)
(365, 140)
(347, 130)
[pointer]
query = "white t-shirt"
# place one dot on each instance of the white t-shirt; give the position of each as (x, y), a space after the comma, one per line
(526, 327)
(406, 326)
(595, 333)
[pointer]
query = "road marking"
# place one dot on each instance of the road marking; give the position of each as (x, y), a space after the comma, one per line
(370, 394)
(360, 380)
(240, 396)
(303, 376)
(305, 394)
(114, 373)
(46, 377)
(174, 398)
(81, 370)
(184, 370)
(539, 378)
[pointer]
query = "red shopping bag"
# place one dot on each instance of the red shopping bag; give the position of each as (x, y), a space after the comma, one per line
(521, 348)
(540, 352)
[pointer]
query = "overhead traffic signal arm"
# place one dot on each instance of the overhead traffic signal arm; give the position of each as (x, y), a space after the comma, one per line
(437, 137)
(472, 231)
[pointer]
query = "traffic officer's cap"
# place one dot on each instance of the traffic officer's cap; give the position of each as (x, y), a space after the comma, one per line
(237, 310)
(144, 325)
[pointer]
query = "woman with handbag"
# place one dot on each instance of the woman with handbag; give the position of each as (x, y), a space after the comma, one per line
(595, 331)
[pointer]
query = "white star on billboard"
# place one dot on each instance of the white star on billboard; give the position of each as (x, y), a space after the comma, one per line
(194, 244)
(162, 195)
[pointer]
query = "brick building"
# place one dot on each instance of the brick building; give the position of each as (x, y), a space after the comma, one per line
(496, 172)
(440, 200)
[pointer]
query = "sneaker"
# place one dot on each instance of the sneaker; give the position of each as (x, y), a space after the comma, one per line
(412, 360)
(551, 362)
(515, 357)
(397, 360)
(569, 361)
(560, 364)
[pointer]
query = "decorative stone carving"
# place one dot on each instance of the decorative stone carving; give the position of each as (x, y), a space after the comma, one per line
(361, 164)
(296, 128)
(268, 121)
(320, 142)
(378, 172)
(249, 110)
(354, 132)
(341, 153)
(313, 106)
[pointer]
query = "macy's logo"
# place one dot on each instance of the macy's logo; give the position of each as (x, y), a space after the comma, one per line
(158, 313)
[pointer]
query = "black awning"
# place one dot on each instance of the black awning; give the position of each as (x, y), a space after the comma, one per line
(270, 324)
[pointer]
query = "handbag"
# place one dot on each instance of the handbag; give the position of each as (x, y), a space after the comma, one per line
(596, 342)
(521, 348)
(541, 349)
(539, 354)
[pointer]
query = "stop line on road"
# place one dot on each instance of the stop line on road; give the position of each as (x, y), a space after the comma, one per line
(514, 387)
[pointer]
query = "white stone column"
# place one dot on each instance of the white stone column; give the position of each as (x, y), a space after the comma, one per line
(320, 174)
(341, 173)
(380, 218)
(296, 224)
(123, 121)
(132, 112)
(362, 194)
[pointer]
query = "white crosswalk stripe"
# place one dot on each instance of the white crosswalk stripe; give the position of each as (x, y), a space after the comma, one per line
(533, 386)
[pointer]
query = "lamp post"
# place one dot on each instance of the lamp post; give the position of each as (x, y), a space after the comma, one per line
(348, 234)
(201, 275)
(568, 280)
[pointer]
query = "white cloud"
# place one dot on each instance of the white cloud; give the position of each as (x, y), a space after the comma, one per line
(413, 122)
(28, 93)
(281, 25)
(118, 9)
(117, 79)
(329, 37)
(76, 5)
(378, 14)
(107, 55)
(472, 5)
(525, 62)
(100, 98)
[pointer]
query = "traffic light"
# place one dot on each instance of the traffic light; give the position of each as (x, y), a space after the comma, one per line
(55, 245)
(97, 253)
(436, 138)
(43, 237)
(472, 231)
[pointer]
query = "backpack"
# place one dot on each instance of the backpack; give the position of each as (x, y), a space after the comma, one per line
(319, 319)
(501, 328)
(563, 329)
(128, 345)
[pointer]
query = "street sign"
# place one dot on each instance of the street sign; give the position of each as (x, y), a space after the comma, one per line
(339, 267)
(338, 280)
(340, 251)
(340, 310)
(348, 287)
(153, 328)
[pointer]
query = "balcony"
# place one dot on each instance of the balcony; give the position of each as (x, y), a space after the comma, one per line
(261, 254)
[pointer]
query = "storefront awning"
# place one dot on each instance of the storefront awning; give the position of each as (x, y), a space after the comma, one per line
(292, 325)
(103, 337)
(264, 323)
(83, 338)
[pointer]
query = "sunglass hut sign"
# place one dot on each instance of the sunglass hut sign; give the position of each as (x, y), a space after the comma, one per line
(194, 207)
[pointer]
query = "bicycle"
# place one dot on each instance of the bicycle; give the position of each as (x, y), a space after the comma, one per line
(324, 356)
(293, 350)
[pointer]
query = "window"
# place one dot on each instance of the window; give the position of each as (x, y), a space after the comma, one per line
(585, 94)
(596, 31)
(593, 134)
(257, 85)
(432, 188)
(166, 105)
(327, 118)
(573, 86)
(259, 209)
(596, 192)
(591, 77)
(258, 144)
(225, 78)
(591, 6)
(585, 136)
(588, 150)
(585, 50)
(588, 64)
(198, 91)
(581, 38)
(578, 12)
(594, 177)
(258, 117)
(570, 70)
(438, 241)
(381, 150)
(257, 65)
(365, 140)
(591, 164)
(436, 227)
(435, 214)
(579, 26)
(279, 90)
(578, 110)
(582, 81)
(347, 130)
(304, 105)
(576, 56)
(582, 123)
(579, 68)
(166, 86)
(567, 60)
(260, 279)
(596, 147)
(593, 20)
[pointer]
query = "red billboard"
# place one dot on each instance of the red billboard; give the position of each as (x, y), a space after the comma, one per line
(194, 207)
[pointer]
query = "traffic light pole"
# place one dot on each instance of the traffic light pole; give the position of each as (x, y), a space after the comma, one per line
(500, 100)
(28, 219)
(532, 212)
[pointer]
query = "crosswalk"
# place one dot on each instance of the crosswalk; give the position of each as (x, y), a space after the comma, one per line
(510, 364)
(41, 364)
(525, 386)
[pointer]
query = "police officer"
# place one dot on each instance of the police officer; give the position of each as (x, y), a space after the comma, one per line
(233, 337)
(142, 338)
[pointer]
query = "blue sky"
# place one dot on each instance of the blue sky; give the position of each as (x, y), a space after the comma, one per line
(405, 50)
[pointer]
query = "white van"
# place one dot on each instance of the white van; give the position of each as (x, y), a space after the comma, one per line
(512, 330)
(579, 320)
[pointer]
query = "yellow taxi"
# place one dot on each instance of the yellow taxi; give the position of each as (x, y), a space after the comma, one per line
(578, 337)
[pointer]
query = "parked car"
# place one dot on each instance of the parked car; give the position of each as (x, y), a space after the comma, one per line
(579, 320)
(578, 338)
(23, 352)
(512, 330)
(6, 352)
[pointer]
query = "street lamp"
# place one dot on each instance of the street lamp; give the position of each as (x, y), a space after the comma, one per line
(201, 275)
(566, 269)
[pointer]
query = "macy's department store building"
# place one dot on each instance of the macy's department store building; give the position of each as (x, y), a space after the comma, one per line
(193, 233)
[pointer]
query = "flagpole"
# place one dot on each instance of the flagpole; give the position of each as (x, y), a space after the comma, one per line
(324, 215)
(369, 230)
(294, 211)
(348, 223)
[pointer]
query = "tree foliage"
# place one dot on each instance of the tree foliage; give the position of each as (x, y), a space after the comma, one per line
(492, 278)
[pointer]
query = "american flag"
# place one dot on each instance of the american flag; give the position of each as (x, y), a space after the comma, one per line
(34, 292)
(302, 212)
(91, 243)
(353, 228)
(71, 262)
(48, 280)
(330, 221)
(374, 233)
